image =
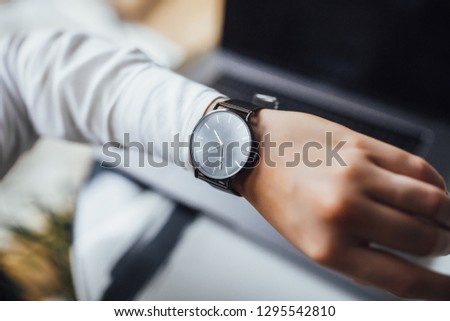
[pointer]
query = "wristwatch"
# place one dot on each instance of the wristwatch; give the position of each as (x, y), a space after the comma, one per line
(223, 144)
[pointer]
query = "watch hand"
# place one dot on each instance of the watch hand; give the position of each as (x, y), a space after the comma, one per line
(220, 141)
(221, 156)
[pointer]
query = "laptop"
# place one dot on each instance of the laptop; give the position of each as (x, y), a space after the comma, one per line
(378, 67)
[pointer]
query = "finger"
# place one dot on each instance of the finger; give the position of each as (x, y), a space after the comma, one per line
(377, 223)
(398, 276)
(410, 195)
(401, 162)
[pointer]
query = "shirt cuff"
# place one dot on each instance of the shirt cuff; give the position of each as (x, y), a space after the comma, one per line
(202, 102)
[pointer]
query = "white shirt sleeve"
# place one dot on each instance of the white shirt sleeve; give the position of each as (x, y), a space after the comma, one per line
(81, 88)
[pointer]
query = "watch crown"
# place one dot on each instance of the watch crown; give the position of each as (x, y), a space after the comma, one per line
(265, 101)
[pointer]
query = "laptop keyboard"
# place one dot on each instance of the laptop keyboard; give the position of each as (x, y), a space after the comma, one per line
(238, 89)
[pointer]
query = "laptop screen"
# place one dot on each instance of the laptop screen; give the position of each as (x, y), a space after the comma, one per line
(394, 50)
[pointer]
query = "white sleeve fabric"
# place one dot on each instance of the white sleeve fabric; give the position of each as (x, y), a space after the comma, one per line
(82, 88)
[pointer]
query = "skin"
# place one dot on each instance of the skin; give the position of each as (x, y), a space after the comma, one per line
(335, 214)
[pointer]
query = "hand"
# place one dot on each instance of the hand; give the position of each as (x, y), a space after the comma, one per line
(335, 213)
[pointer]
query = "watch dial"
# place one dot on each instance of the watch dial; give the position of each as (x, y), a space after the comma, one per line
(220, 144)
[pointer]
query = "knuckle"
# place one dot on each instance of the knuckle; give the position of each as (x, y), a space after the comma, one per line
(323, 253)
(421, 166)
(338, 208)
(358, 143)
(350, 173)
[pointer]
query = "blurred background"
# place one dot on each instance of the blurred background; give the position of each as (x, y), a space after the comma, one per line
(46, 180)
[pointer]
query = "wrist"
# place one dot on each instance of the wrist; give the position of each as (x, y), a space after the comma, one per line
(242, 183)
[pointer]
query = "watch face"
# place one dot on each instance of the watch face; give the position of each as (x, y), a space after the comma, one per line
(220, 144)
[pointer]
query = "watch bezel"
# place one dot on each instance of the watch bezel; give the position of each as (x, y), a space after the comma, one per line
(223, 181)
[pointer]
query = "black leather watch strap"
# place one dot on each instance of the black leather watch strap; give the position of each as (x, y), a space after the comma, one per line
(243, 108)
(223, 184)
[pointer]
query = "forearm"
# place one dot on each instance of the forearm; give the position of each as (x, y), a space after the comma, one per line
(16, 132)
(84, 89)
